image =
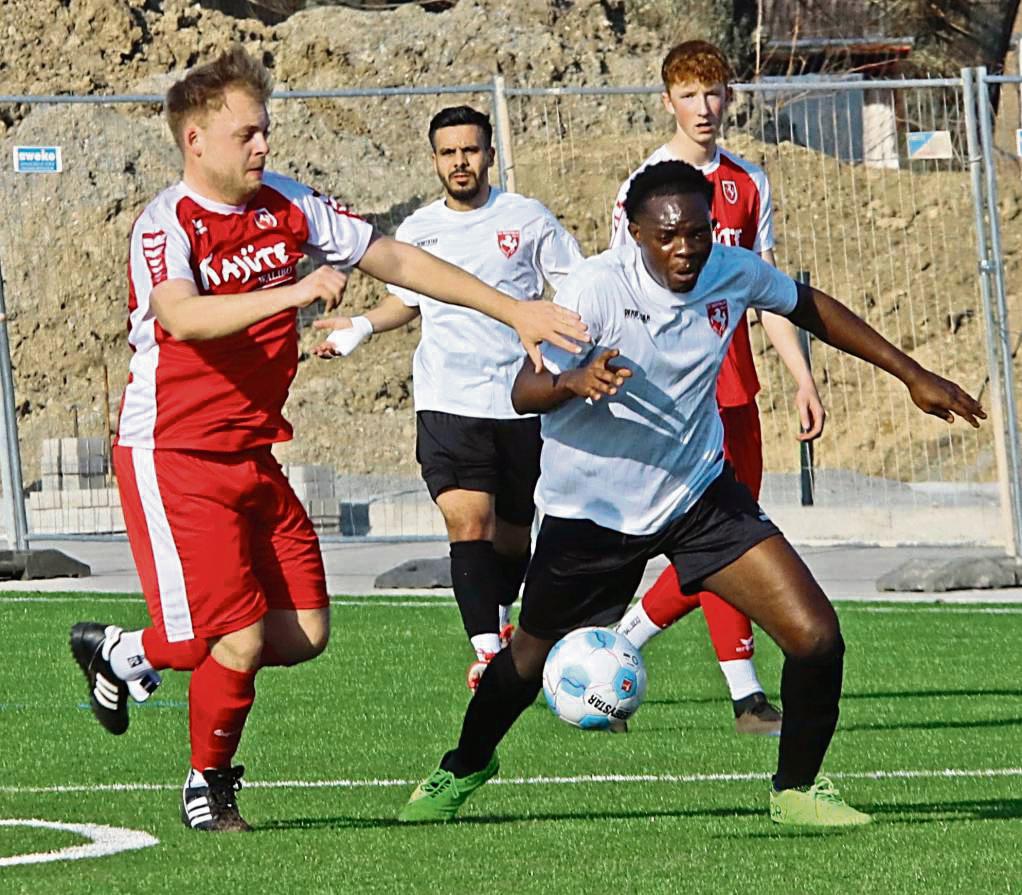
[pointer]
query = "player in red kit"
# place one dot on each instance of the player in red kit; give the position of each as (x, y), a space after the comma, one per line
(696, 75)
(228, 559)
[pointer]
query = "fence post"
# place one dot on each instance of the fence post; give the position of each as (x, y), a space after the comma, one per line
(10, 456)
(984, 267)
(805, 448)
(1001, 330)
(505, 149)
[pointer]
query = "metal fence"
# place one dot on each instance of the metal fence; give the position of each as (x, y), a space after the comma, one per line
(912, 244)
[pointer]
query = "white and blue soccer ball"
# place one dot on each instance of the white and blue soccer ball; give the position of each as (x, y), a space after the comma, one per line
(594, 676)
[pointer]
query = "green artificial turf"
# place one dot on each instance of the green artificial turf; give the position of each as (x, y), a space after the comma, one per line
(932, 699)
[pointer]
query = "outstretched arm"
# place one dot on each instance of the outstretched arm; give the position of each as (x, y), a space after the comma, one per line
(188, 316)
(829, 320)
(539, 392)
(347, 333)
(406, 265)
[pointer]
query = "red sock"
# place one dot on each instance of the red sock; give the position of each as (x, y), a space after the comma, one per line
(730, 630)
(186, 655)
(665, 603)
(219, 700)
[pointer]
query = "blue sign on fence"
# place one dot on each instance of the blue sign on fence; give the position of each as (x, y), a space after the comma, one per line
(37, 159)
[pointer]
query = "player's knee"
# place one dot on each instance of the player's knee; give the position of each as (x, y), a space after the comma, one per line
(817, 641)
(470, 528)
(319, 637)
(241, 650)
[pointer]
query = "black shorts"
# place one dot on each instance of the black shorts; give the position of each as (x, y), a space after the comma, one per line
(584, 574)
(499, 457)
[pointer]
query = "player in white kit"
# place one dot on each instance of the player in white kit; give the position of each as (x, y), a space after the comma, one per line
(633, 467)
(479, 458)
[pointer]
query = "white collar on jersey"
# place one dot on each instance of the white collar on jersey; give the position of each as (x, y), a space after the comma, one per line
(209, 204)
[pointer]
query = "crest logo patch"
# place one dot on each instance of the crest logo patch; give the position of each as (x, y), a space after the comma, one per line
(717, 313)
(508, 241)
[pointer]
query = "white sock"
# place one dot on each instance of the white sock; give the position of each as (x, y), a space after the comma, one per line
(195, 778)
(485, 644)
(741, 678)
(503, 617)
(127, 658)
(637, 626)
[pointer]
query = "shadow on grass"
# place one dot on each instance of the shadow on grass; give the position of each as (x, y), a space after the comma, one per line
(902, 814)
(928, 694)
(978, 724)
(932, 812)
(373, 823)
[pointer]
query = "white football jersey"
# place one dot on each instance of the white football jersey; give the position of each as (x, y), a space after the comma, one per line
(635, 461)
(467, 362)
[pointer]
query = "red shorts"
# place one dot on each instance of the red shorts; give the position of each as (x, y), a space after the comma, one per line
(743, 444)
(218, 539)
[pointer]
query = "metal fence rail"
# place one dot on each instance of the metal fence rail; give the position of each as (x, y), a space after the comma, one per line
(889, 234)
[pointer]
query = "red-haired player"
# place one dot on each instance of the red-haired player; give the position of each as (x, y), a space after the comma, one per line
(696, 76)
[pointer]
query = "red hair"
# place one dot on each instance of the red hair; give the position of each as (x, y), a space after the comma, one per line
(696, 61)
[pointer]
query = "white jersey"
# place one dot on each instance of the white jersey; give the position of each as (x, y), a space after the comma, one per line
(742, 207)
(635, 461)
(467, 362)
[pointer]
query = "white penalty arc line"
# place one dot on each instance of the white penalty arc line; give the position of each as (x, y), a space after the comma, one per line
(102, 841)
(935, 774)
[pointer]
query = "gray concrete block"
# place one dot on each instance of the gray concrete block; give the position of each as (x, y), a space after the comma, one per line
(309, 472)
(315, 489)
(964, 573)
(319, 507)
(417, 573)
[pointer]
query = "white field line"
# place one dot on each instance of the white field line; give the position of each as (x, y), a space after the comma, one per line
(445, 601)
(102, 841)
(382, 602)
(936, 774)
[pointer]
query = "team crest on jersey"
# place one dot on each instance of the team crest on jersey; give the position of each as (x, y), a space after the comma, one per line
(264, 219)
(730, 190)
(508, 241)
(716, 311)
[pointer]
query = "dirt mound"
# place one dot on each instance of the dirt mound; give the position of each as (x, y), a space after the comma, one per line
(897, 244)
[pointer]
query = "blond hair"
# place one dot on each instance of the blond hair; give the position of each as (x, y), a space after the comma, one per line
(203, 88)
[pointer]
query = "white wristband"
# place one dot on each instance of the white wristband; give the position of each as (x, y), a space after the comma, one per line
(344, 341)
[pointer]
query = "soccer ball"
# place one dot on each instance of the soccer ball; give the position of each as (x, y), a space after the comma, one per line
(593, 676)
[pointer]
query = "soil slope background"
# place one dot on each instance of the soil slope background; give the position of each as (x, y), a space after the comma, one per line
(896, 244)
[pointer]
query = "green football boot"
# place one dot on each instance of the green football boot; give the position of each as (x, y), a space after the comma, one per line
(441, 794)
(818, 806)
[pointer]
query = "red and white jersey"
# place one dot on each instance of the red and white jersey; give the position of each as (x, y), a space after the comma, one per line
(743, 216)
(224, 394)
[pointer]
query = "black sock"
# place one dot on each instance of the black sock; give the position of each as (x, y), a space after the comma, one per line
(502, 695)
(810, 691)
(512, 574)
(477, 581)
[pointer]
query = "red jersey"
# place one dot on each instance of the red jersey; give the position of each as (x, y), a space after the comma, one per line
(224, 394)
(743, 216)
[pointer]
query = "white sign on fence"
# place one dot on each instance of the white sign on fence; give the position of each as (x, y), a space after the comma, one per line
(929, 144)
(38, 160)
